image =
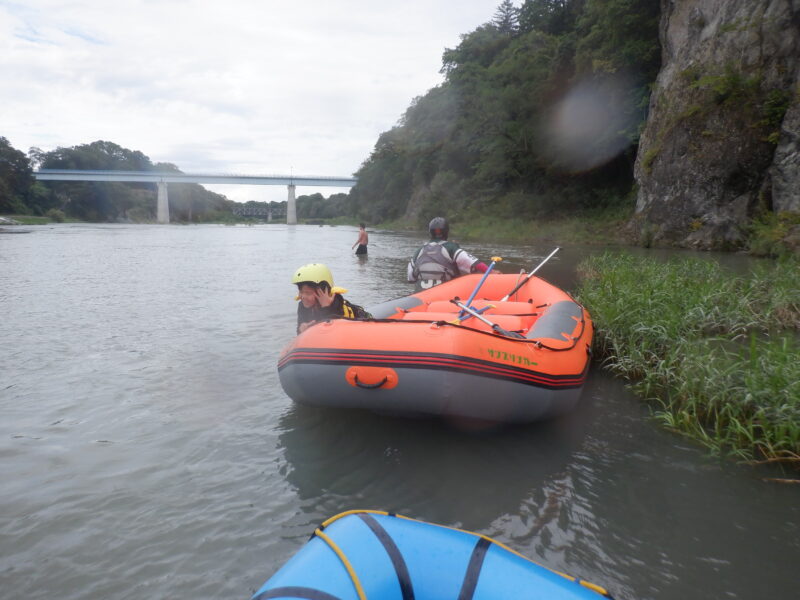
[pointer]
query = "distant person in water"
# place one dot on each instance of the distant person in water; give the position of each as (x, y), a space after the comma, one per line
(319, 299)
(362, 241)
(440, 260)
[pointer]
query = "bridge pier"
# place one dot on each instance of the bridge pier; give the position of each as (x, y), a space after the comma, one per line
(291, 207)
(162, 212)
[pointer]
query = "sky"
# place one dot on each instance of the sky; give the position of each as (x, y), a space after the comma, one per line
(252, 87)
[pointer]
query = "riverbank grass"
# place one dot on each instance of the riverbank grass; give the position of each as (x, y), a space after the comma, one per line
(28, 219)
(715, 353)
(602, 227)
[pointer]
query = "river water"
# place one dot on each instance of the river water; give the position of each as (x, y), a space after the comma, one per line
(147, 449)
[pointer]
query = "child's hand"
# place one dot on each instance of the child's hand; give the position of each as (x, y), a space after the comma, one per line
(324, 298)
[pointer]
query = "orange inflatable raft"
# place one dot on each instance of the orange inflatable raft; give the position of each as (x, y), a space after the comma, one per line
(417, 357)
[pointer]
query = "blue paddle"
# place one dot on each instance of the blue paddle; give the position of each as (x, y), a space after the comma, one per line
(495, 260)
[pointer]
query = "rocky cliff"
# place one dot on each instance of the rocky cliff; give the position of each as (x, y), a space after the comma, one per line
(721, 145)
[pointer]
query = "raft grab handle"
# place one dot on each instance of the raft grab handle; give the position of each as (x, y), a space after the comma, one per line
(371, 378)
(370, 386)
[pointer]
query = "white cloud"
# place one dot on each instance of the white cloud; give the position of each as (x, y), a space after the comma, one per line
(243, 86)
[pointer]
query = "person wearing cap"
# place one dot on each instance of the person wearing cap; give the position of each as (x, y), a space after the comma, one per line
(319, 299)
(440, 260)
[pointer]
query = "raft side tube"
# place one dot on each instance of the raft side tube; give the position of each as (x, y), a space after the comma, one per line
(497, 307)
(329, 579)
(507, 322)
(487, 396)
(558, 321)
(385, 310)
(384, 556)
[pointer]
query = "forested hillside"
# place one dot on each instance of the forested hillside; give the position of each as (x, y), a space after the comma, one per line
(539, 114)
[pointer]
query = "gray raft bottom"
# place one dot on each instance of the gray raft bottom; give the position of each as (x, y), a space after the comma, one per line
(426, 392)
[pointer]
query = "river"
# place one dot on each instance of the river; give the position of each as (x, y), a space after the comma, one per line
(147, 449)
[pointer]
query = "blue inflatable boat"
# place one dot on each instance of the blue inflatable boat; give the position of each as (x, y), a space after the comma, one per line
(375, 555)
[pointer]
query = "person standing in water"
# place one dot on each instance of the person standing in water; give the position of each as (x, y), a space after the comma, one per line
(440, 260)
(362, 241)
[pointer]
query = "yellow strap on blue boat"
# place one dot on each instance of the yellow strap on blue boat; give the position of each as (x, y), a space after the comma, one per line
(345, 562)
(595, 588)
(355, 512)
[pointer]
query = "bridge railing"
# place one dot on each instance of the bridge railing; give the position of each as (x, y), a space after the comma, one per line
(209, 178)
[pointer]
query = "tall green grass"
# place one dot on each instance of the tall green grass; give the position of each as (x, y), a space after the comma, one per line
(29, 219)
(598, 227)
(717, 354)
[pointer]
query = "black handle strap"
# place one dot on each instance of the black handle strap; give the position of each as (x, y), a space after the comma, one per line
(370, 386)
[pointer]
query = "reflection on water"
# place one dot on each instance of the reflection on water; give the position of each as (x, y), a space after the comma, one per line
(147, 449)
(425, 468)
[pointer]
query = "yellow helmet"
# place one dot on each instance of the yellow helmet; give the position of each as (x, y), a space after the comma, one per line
(313, 272)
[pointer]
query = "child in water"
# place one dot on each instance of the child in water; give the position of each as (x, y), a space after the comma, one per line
(319, 299)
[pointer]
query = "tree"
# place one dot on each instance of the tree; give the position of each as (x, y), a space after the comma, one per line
(506, 18)
(97, 155)
(619, 38)
(555, 17)
(477, 49)
(112, 201)
(619, 35)
(16, 178)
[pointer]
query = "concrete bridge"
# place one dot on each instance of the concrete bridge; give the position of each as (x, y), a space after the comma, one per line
(161, 179)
